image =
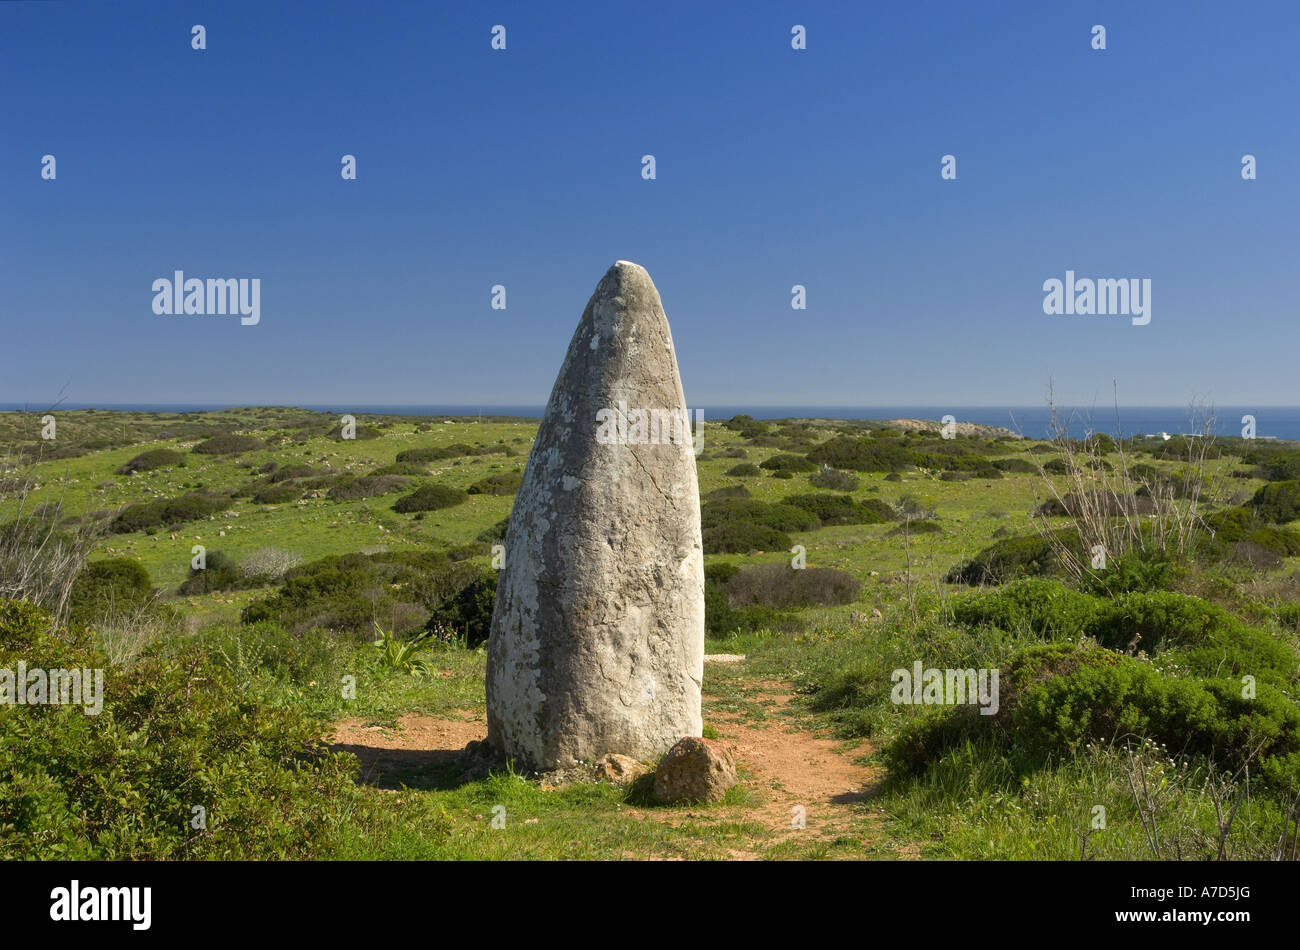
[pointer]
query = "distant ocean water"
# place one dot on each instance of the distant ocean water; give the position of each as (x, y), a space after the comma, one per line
(1279, 422)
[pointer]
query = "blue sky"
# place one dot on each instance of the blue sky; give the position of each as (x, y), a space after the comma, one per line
(775, 167)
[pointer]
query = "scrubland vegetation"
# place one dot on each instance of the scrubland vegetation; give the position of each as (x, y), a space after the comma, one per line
(353, 578)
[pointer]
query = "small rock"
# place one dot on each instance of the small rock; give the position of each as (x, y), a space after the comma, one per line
(696, 769)
(619, 769)
(724, 658)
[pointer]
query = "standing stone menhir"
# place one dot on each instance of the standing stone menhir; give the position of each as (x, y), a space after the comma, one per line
(597, 641)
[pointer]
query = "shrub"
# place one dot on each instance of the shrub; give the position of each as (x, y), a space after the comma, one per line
(220, 572)
(834, 479)
(782, 517)
(156, 514)
(268, 564)
(401, 468)
(1208, 639)
(1005, 560)
(722, 619)
(504, 483)
(841, 509)
(1015, 466)
(291, 472)
(278, 494)
(780, 585)
(1043, 607)
(727, 491)
(788, 463)
(353, 592)
(175, 729)
(743, 470)
(1202, 635)
(430, 498)
(348, 488)
(1055, 699)
(1278, 502)
(1105, 505)
(1132, 571)
(435, 453)
(863, 455)
(1233, 526)
(739, 423)
(1274, 463)
(110, 586)
(910, 526)
(495, 533)
(228, 444)
(467, 614)
(742, 537)
(152, 460)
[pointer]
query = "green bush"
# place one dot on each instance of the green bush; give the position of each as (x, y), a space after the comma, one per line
(1005, 560)
(113, 586)
(725, 492)
(348, 488)
(788, 463)
(1274, 463)
(1233, 526)
(863, 455)
(495, 533)
(221, 572)
(742, 537)
(175, 732)
(1046, 608)
(1130, 572)
(1278, 502)
(293, 471)
(157, 514)
(1195, 633)
(841, 509)
(467, 614)
(782, 517)
(1056, 698)
(401, 468)
(228, 444)
(278, 494)
(152, 460)
(504, 483)
(834, 479)
(744, 470)
(1015, 466)
(352, 592)
(436, 453)
(430, 498)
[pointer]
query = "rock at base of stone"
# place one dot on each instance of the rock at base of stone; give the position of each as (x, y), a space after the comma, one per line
(700, 770)
(619, 769)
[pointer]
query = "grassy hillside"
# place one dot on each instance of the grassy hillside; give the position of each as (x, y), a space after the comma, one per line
(314, 542)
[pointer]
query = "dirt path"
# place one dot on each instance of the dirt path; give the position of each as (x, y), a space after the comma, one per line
(805, 788)
(806, 785)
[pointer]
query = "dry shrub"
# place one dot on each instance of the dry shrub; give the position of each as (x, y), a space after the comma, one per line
(780, 585)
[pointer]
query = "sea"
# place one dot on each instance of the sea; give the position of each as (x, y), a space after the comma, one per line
(1271, 422)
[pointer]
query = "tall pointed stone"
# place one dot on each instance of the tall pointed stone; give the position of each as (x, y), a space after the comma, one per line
(597, 641)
